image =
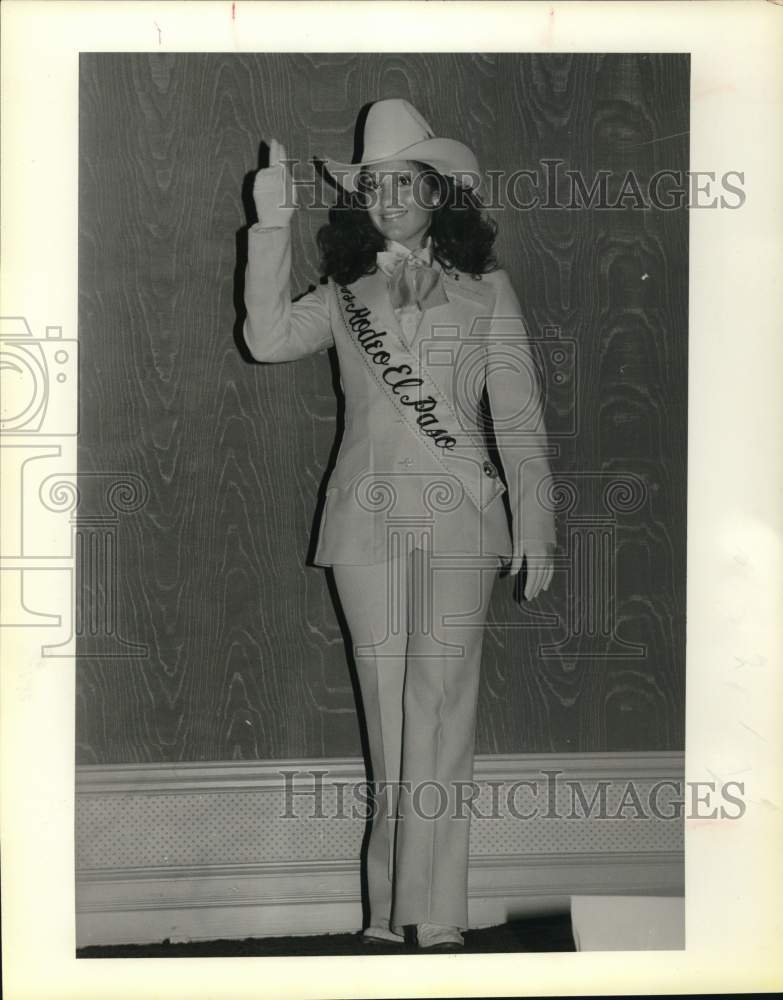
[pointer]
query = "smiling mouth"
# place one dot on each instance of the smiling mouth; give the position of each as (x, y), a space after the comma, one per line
(393, 215)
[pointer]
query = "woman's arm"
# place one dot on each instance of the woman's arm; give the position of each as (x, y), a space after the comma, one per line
(516, 402)
(277, 329)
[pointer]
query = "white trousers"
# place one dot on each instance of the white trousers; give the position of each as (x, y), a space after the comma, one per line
(417, 626)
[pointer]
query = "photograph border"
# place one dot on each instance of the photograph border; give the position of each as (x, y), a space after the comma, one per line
(733, 867)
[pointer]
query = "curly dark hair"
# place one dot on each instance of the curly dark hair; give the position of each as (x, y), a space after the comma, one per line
(462, 237)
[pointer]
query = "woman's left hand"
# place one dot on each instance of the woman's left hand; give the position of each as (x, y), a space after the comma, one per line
(540, 566)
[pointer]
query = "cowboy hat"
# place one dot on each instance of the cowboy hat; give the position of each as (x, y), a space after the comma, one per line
(394, 130)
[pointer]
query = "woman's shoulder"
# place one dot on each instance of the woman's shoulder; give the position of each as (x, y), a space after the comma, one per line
(502, 285)
(495, 282)
(497, 277)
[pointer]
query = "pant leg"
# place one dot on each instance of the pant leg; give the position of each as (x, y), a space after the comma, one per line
(374, 599)
(439, 703)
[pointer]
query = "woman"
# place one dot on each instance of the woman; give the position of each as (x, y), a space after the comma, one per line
(414, 525)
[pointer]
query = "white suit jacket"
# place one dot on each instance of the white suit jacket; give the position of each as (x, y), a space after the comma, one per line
(388, 480)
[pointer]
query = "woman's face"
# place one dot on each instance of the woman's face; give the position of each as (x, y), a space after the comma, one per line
(399, 201)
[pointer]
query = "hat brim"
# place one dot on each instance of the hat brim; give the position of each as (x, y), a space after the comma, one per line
(447, 156)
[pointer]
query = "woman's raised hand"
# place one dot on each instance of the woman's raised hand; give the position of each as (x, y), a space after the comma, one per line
(273, 189)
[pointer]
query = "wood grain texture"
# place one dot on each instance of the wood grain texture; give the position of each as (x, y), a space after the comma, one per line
(246, 656)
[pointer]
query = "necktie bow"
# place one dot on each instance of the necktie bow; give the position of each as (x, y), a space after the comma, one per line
(412, 279)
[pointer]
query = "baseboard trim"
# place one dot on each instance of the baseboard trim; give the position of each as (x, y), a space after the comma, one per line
(140, 906)
(120, 904)
(96, 779)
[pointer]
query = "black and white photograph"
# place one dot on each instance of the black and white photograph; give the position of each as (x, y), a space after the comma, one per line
(379, 500)
(400, 592)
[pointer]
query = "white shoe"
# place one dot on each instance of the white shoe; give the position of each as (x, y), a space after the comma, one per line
(438, 936)
(378, 933)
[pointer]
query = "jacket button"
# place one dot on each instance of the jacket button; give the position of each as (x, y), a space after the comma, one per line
(490, 470)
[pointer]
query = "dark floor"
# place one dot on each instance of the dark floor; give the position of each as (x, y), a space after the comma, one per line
(549, 933)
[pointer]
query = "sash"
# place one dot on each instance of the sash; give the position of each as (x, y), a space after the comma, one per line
(415, 396)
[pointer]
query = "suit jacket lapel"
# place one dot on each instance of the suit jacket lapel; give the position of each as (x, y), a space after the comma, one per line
(468, 299)
(461, 287)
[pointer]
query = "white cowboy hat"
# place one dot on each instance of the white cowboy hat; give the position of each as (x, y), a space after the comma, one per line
(394, 130)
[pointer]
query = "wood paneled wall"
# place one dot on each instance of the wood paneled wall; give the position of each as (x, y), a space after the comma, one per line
(238, 649)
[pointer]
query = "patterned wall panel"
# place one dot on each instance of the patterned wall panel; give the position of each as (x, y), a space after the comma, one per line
(257, 815)
(231, 645)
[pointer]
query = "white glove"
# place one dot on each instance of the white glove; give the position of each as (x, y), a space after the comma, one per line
(273, 190)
